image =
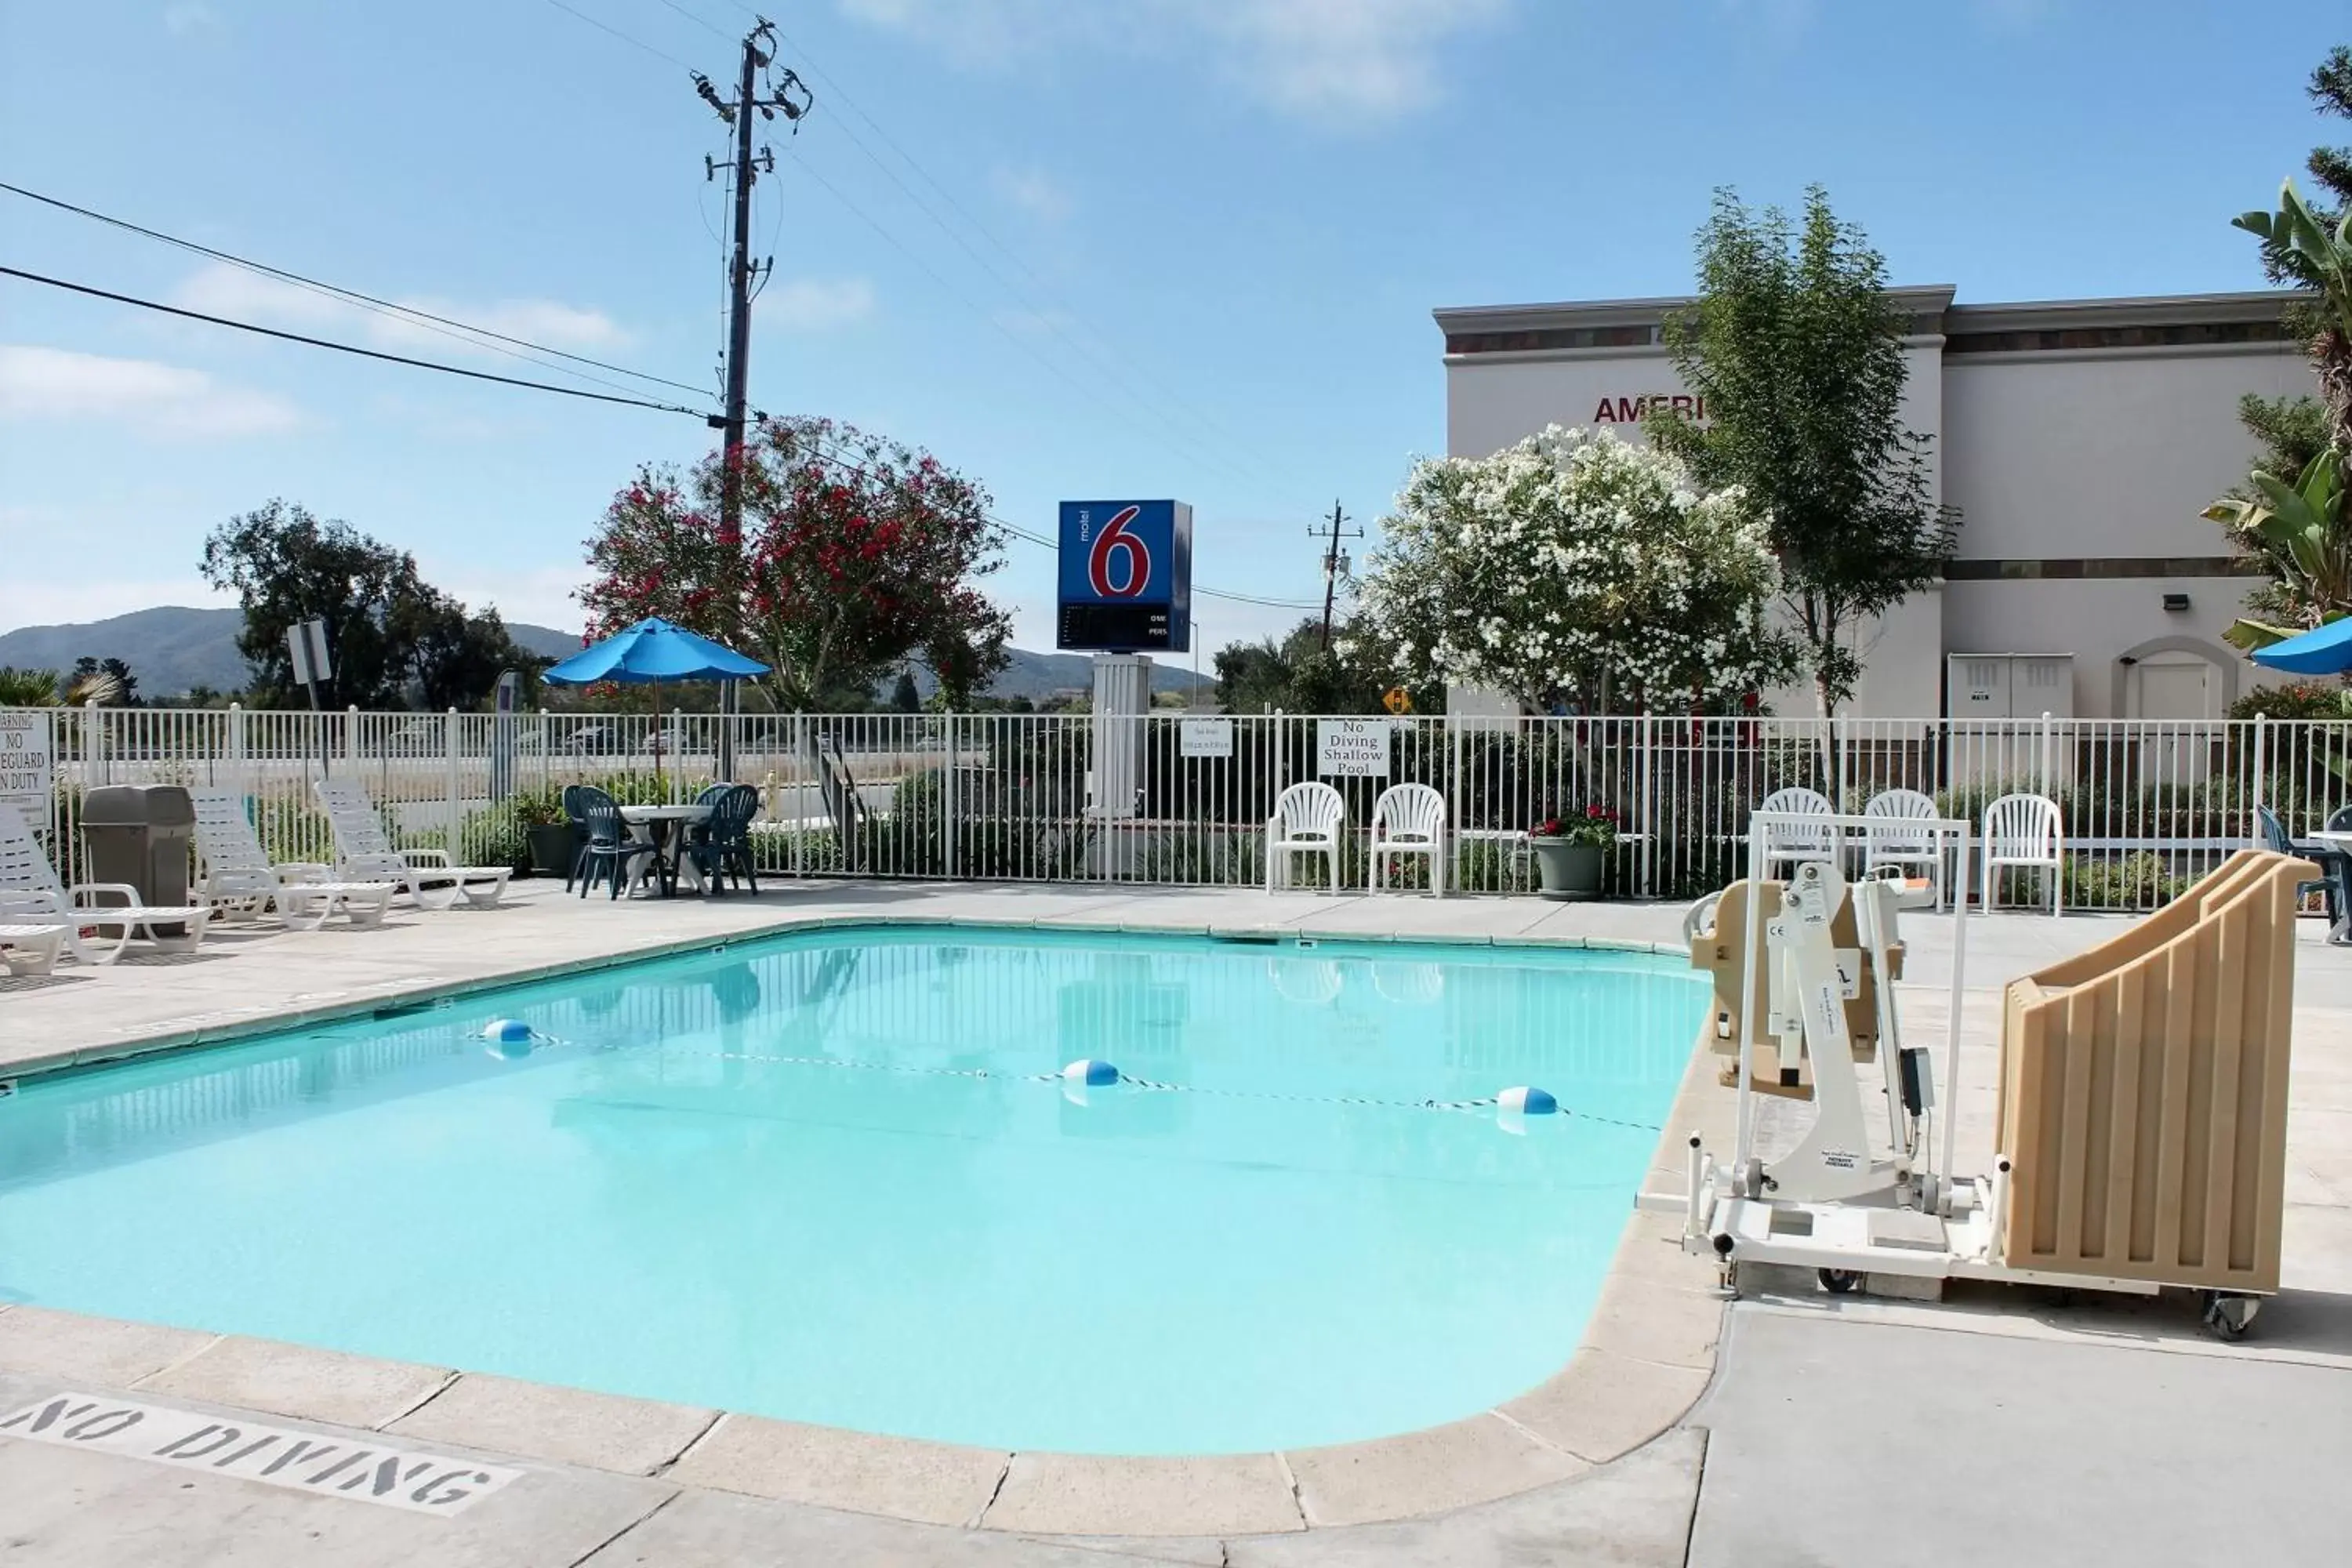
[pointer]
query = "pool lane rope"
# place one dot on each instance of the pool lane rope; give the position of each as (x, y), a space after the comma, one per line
(1519, 1100)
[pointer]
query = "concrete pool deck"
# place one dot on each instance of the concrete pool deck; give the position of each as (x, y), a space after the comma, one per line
(1576, 1463)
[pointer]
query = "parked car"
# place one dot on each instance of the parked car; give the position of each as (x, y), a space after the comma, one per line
(417, 738)
(592, 738)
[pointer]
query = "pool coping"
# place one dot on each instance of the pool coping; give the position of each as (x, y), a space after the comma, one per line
(1647, 1351)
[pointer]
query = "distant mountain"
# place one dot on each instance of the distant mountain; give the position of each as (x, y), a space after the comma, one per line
(1036, 675)
(172, 648)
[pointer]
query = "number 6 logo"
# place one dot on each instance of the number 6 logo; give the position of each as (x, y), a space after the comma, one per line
(1114, 540)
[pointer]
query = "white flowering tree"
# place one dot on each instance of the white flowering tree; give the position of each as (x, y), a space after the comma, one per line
(1576, 568)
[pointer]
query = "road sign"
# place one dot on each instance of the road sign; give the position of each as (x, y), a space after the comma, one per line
(1126, 576)
(307, 641)
(27, 765)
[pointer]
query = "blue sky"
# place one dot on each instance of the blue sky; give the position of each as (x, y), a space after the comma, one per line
(1189, 247)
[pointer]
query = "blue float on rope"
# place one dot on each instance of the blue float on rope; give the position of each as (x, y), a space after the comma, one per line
(1092, 1073)
(511, 1031)
(1522, 1100)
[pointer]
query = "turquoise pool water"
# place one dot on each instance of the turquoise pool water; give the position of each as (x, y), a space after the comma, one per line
(829, 1178)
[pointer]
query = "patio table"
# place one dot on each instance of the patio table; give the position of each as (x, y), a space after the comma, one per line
(2340, 841)
(664, 827)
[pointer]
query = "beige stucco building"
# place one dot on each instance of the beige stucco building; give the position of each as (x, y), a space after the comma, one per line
(2080, 440)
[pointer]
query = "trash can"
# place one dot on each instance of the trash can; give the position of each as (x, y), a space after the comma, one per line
(139, 834)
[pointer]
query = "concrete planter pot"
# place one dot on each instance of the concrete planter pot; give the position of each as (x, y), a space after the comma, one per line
(552, 845)
(1568, 871)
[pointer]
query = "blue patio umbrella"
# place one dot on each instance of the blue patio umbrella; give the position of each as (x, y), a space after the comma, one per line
(2327, 650)
(654, 651)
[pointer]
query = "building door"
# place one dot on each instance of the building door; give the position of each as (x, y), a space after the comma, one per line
(2175, 695)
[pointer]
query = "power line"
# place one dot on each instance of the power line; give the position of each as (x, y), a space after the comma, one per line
(1106, 360)
(633, 43)
(844, 465)
(704, 23)
(1185, 443)
(349, 348)
(352, 296)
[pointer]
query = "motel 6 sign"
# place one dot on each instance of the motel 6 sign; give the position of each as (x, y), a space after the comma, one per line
(1126, 576)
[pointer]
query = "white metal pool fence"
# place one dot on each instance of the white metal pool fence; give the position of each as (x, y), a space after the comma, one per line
(1178, 799)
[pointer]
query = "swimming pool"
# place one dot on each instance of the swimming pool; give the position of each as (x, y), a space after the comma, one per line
(835, 1178)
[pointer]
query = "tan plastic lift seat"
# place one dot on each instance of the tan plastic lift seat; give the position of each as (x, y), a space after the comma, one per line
(2143, 1090)
(1721, 950)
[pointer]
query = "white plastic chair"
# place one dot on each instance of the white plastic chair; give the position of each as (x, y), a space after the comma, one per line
(362, 854)
(238, 875)
(1784, 841)
(1308, 818)
(30, 948)
(1316, 981)
(2023, 830)
(1409, 819)
(1895, 837)
(29, 891)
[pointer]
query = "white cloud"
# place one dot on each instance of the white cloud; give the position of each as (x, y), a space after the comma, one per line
(1335, 62)
(185, 18)
(221, 290)
(1033, 192)
(145, 396)
(815, 304)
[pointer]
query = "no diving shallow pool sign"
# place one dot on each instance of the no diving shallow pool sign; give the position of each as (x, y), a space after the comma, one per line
(1351, 748)
(27, 765)
(353, 1469)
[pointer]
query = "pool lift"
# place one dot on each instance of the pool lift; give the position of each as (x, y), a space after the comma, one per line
(1831, 1204)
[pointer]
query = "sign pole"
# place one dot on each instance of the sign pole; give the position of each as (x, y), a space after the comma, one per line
(306, 641)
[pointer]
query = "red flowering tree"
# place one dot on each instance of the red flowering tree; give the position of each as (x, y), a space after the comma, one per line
(858, 555)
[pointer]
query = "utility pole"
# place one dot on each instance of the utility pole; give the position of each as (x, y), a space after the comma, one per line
(789, 94)
(1331, 532)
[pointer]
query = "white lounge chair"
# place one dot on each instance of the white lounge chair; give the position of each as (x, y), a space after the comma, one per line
(1902, 834)
(362, 854)
(2024, 831)
(1308, 818)
(1795, 843)
(238, 876)
(1409, 819)
(27, 949)
(30, 894)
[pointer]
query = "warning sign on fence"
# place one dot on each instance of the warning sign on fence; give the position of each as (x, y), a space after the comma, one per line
(1351, 748)
(27, 765)
(1205, 737)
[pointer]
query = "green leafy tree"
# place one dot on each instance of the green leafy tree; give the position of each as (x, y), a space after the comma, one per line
(2303, 530)
(1574, 569)
(1296, 674)
(2288, 514)
(2313, 250)
(903, 698)
(2289, 432)
(27, 687)
(857, 555)
(1797, 352)
(450, 656)
(394, 639)
(2331, 90)
(108, 682)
